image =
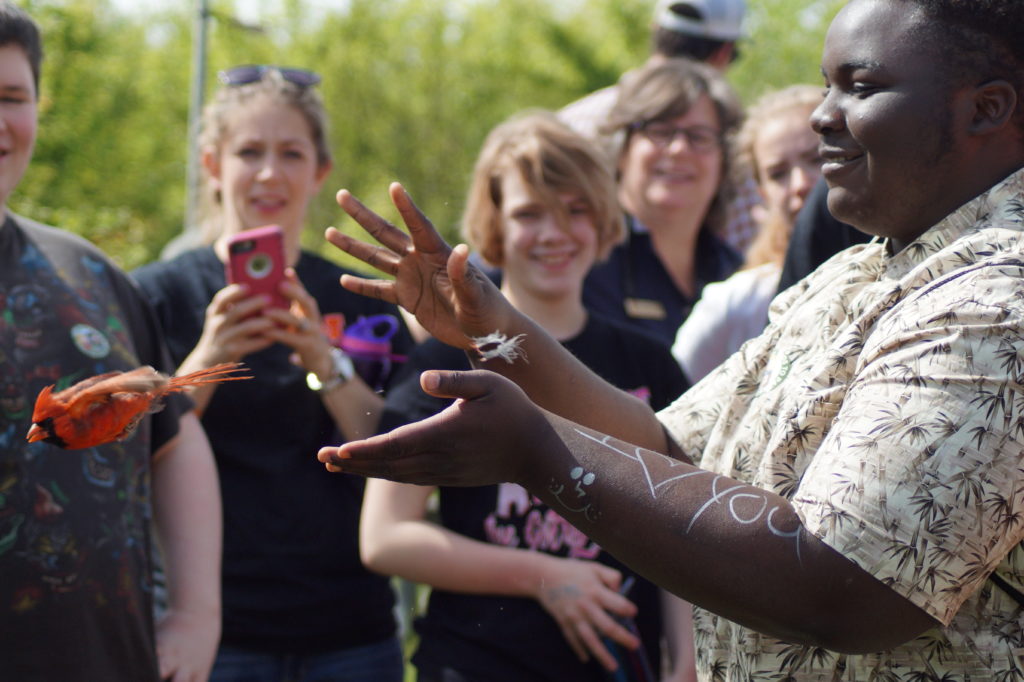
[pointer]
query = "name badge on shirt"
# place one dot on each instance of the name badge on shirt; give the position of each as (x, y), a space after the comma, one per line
(645, 309)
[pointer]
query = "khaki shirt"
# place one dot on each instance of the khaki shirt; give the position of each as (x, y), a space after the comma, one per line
(885, 400)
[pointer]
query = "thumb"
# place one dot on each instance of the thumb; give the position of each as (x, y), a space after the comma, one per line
(467, 385)
(457, 266)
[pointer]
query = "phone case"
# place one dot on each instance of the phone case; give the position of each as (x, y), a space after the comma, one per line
(256, 259)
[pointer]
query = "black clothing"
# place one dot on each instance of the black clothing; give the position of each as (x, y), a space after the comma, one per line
(507, 639)
(633, 288)
(75, 542)
(292, 578)
(816, 237)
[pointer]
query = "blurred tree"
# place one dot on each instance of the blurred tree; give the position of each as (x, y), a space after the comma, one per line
(412, 87)
(784, 44)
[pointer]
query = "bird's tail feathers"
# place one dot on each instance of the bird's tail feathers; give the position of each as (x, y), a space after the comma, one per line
(210, 375)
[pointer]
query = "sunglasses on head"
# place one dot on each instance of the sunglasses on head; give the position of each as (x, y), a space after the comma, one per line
(253, 73)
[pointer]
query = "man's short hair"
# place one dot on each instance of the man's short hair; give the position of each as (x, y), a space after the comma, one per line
(18, 28)
(981, 40)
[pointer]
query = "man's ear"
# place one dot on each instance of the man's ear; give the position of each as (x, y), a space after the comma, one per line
(721, 58)
(995, 104)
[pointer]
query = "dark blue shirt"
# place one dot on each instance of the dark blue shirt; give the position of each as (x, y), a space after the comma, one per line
(632, 287)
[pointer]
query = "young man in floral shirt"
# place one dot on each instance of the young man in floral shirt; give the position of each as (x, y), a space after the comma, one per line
(855, 501)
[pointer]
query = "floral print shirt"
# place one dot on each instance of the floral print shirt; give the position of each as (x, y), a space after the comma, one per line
(885, 400)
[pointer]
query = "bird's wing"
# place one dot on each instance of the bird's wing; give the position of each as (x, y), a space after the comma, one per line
(96, 389)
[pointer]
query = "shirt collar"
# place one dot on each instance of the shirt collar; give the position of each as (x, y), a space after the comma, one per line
(1003, 203)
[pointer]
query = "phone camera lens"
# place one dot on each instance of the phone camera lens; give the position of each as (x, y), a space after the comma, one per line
(259, 266)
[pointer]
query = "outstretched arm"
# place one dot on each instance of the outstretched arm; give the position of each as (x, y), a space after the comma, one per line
(456, 303)
(734, 549)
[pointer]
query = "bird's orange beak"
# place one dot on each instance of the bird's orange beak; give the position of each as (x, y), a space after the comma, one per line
(35, 433)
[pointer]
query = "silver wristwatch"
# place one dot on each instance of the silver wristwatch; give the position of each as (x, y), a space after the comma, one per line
(342, 371)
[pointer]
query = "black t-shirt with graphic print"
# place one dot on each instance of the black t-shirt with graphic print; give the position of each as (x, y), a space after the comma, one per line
(507, 639)
(75, 569)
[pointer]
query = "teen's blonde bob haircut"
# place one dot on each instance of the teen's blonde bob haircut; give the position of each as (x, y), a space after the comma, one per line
(553, 160)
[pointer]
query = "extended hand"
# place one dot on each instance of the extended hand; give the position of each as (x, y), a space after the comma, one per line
(451, 299)
(485, 437)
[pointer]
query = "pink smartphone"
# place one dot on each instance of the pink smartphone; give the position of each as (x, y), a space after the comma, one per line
(256, 259)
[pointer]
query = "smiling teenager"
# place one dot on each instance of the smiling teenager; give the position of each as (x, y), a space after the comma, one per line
(517, 593)
(853, 506)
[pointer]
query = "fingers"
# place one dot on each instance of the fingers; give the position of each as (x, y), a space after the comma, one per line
(444, 449)
(234, 303)
(601, 618)
(384, 259)
(422, 231)
(611, 578)
(587, 631)
(464, 284)
(234, 326)
(595, 646)
(458, 263)
(569, 631)
(304, 307)
(383, 290)
(451, 384)
(293, 330)
(425, 453)
(376, 458)
(378, 228)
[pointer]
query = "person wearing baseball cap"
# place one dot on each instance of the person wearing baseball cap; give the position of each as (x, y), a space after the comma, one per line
(705, 30)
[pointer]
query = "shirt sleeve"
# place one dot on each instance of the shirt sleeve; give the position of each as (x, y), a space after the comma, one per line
(919, 480)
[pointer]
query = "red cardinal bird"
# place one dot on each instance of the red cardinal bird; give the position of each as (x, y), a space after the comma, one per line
(109, 406)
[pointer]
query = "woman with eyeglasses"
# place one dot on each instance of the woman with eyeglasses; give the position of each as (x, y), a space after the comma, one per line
(297, 602)
(779, 145)
(670, 129)
(517, 594)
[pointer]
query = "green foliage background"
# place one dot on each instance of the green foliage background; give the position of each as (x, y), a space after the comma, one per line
(412, 87)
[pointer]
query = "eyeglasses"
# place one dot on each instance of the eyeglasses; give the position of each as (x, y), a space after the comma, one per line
(700, 138)
(252, 73)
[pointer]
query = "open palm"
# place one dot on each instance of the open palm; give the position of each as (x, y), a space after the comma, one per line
(451, 299)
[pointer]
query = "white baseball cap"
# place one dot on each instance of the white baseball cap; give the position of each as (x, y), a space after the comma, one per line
(713, 19)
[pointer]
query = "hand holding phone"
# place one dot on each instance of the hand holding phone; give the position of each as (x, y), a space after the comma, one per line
(256, 259)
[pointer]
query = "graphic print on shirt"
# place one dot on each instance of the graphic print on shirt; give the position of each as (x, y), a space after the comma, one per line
(522, 520)
(56, 332)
